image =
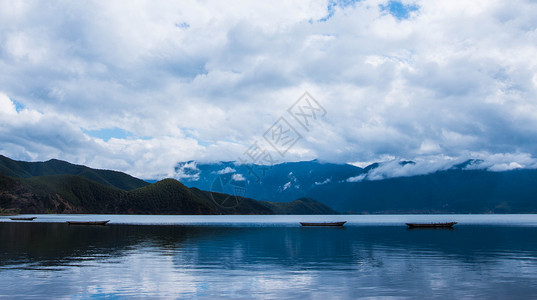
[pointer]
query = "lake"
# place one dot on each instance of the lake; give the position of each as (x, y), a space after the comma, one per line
(484, 257)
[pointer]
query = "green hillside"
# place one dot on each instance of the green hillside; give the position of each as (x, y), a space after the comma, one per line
(76, 194)
(22, 169)
(167, 196)
(58, 194)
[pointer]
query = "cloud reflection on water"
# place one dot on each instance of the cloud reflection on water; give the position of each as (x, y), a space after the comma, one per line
(236, 262)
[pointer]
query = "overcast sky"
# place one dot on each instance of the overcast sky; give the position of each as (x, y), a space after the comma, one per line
(138, 87)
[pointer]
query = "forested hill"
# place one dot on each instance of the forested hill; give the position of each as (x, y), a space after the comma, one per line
(67, 193)
(23, 169)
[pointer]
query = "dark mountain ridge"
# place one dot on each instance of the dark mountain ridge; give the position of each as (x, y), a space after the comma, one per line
(450, 191)
(22, 169)
(461, 188)
(68, 193)
(278, 183)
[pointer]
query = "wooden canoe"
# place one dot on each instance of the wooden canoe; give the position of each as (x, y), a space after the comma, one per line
(88, 222)
(431, 225)
(323, 223)
(23, 218)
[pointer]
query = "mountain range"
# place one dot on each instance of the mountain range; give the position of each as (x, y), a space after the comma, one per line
(308, 187)
(279, 183)
(56, 186)
(461, 188)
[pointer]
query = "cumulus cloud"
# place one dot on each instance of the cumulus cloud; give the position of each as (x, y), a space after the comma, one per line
(226, 170)
(187, 170)
(27, 133)
(30, 135)
(7, 107)
(238, 177)
(204, 80)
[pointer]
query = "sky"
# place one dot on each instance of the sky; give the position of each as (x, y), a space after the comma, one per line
(141, 86)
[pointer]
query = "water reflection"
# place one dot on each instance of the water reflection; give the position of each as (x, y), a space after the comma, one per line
(53, 244)
(211, 261)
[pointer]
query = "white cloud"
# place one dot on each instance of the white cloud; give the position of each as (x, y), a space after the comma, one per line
(188, 170)
(473, 161)
(226, 170)
(327, 180)
(205, 80)
(7, 107)
(503, 161)
(238, 177)
(395, 168)
(358, 178)
(505, 167)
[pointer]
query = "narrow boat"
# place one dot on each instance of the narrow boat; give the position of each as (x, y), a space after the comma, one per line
(23, 218)
(323, 224)
(88, 222)
(431, 225)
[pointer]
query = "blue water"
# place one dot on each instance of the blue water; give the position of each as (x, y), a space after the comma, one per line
(484, 257)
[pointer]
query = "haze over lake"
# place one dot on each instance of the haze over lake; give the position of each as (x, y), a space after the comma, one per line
(492, 256)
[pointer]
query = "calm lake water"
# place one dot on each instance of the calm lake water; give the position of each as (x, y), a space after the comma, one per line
(484, 257)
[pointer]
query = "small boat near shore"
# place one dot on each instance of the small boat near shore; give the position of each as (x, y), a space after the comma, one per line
(323, 223)
(431, 225)
(23, 218)
(88, 222)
